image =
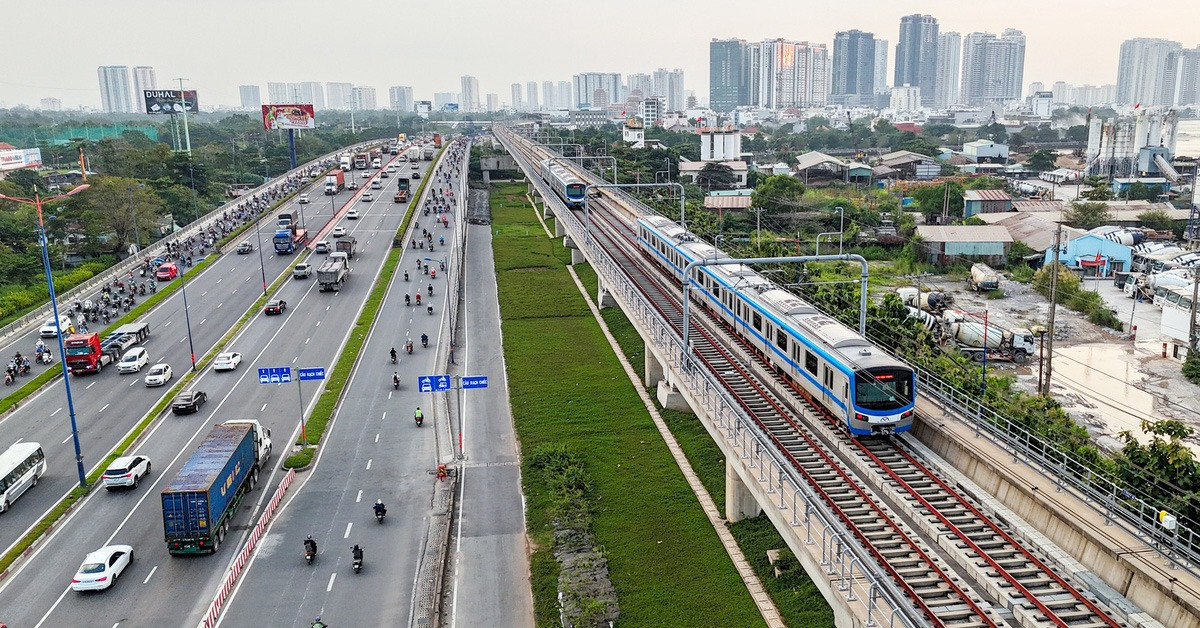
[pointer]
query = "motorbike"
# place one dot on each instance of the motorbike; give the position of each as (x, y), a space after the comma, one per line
(8, 378)
(430, 289)
(396, 382)
(418, 298)
(393, 356)
(408, 347)
(309, 555)
(406, 275)
(407, 300)
(358, 561)
(379, 515)
(430, 310)
(419, 418)
(45, 358)
(431, 246)
(424, 341)
(441, 240)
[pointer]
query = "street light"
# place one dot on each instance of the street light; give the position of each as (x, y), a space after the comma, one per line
(37, 201)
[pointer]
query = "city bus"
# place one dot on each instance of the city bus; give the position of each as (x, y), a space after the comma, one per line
(20, 468)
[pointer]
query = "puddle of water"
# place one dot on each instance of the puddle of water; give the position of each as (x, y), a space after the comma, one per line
(1103, 376)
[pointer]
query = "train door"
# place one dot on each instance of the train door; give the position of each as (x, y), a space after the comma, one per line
(827, 386)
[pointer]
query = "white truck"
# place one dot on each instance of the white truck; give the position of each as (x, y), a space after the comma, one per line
(333, 272)
(1010, 345)
(345, 160)
(428, 152)
(414, 153)
(983, 278)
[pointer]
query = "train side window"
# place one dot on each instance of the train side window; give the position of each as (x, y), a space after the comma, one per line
(810, 362)
(717, 293)
(781, 338)
(828, 377)
(757, 321)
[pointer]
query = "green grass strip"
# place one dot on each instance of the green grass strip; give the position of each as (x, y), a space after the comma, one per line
(567, 389)
(340, 373)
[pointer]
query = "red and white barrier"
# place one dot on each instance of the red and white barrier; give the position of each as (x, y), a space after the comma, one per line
(214, 610)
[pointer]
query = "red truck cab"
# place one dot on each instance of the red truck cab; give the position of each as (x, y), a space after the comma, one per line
(83, 352)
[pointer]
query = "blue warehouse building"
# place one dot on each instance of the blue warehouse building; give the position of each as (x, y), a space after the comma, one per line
(1092, 255)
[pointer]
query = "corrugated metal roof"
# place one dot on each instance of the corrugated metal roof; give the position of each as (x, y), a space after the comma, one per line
(964, 233)
(986, 195)
(1034, 230)
(1038, 206)
(727, 202)
(816, 158)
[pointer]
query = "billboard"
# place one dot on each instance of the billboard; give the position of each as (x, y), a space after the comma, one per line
(423, 107)
(16, 159)
(170, 101)
(450, 106)
(288, 117)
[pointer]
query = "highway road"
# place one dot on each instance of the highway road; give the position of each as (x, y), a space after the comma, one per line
(157, 589)
(374, 451)
(108, 405)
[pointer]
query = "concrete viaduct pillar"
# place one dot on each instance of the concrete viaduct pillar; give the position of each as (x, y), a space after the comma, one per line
(668, 395)
(739, 501)
(603, 298)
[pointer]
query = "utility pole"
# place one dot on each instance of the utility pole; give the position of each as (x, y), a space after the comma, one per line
(1045, 391)
(1192, 313)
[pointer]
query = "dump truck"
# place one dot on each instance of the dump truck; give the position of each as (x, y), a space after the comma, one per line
(88, 353)
(983, 278)
(347, 245)
(1014, 345)
(285, 220)
(199, 504)
(333, 271)
(335, 182)
(288, 239)
(427, 152)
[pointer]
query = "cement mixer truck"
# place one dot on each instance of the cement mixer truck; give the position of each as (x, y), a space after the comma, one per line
(1011, 345)
(933, 302)
(983, 278)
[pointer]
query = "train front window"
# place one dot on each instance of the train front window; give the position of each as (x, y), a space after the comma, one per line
(575, 189)
(883, 389)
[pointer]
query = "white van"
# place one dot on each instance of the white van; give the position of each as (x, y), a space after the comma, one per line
(49, 330)
(20, 467)
(304, 198)
(133, 360)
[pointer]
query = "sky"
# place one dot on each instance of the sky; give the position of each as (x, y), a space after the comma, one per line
(220, 44)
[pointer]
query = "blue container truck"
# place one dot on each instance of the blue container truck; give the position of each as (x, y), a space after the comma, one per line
(201, 501)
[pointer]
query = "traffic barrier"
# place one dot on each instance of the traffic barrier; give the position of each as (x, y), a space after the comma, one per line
(218, 603)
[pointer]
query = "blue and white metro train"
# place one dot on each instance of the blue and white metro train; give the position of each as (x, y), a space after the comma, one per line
(567, 186)
(868, 389)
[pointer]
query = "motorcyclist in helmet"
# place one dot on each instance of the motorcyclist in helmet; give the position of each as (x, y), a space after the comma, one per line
(380, 509)
(310, 546)
(393, 355)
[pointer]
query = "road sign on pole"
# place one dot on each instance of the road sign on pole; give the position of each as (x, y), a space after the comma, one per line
(315, 372)
(433, 383)
(275, 375)
(475, 381)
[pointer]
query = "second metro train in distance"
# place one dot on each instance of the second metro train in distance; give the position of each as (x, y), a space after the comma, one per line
(567, 186)
(870, 391)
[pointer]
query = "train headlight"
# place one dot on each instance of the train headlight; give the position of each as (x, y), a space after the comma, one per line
(906, 414)
(860, 417)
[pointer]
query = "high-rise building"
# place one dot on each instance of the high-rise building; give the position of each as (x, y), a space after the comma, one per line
(949, 54)
(564, 95)
(727, 74)
(518, 102)
(668, 85)
(278, 93)
(400, 97)
(1063, 93)
(993, 68)
(251, 97)
(310, 93)
(641, 83)
(362, 98)
(50, 103)
(853, 67)
(1142, 71)
(1183, 77)
(115, 89)
(493, 103)
(549, 98)
(470, 94)
(143, 79)
(916, 55)
(587, 84)
(337, 95)
(531, 96)
(1036, 86)
(881, 63)
(784, 73)
(441, 99)
(906, 98)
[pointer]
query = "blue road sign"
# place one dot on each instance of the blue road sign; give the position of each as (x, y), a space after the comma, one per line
(433, 383)
(312, 372)
(477, 381)
(275, 375)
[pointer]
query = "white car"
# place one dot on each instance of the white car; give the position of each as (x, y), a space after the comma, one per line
(376, 184)
(101, 568)
(126, 471)
(391, 167)
(365, 175)
(339, 232)
(227, 361)
(159, 374)
(304, 198)
(352, 214)
(50, 330)
(367, 196)
(321, 247)
(133, 360)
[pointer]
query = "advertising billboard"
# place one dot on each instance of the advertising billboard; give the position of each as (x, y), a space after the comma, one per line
(170, 101)
(288, 117)
(16, 159)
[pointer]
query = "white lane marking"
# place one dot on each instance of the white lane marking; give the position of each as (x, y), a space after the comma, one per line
(89, 387)
(384, 417)
(263, 408)
(182, 339)
(294, 359)
(247, 279)
(318, 323)
(65, 440)
(377, 437)
(220, 304)
(307, 339)
(169, 322)
(349, 526)
(150, 575)
(368, 464)
(202, 320)
(218, 281)
(105, 407)
(234, 291)
(327, 307)
(204, 293)
(329, 587)
(56, 412)
(359, 498)
(133, 382)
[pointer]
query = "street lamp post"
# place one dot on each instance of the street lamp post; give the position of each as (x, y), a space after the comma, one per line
(37, 201)
(841, 227)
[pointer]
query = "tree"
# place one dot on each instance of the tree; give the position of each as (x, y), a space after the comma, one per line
(930, 199)
(110, 205)
(716, 176)
(1139, 191)
(994, 131)
(778, 193)
(1017, 140)
(1087, 215)
(1157, 220)
(1077, 133)
(1098, 192)
(1041, 160)
(26, 180)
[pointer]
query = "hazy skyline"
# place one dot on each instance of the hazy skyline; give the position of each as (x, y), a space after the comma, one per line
(219, 45)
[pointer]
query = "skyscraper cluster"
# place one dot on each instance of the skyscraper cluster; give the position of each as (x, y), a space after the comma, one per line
(774, 73)
(122, 93)
(1158, 72)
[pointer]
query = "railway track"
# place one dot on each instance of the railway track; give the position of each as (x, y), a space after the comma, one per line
(955, 563)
